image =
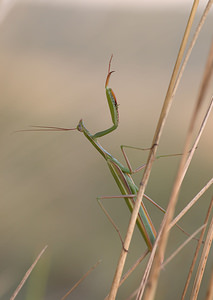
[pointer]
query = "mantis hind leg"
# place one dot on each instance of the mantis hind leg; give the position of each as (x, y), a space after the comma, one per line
(110, 218)
(132, 171)
(132, 196)
(127, 160)
(108, 215)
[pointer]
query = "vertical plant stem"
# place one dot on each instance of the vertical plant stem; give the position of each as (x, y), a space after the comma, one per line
(150, 292)
(196, 252)
(209, 295)
(202, 262)
(152, 154)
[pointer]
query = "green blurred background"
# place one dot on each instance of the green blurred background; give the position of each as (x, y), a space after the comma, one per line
(54, 63)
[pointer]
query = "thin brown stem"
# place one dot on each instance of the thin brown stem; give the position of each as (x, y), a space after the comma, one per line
(196, 252)
(191, 203)
(164, 233)
(27, 274)
(182, 246)
(209, 295)
(202, 263)
(80, 280)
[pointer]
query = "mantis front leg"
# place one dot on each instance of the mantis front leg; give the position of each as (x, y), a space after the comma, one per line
(113, 106)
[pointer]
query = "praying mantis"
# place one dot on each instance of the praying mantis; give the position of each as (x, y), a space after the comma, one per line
(120, 173)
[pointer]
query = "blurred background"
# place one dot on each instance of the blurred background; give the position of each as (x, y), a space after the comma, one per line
(54, 60)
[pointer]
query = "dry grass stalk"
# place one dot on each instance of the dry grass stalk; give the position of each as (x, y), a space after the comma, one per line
(191, 203)
(163, 233)
(202, 263)
(132, 295)
(196, 252)
(80, 280)
(170, 211)
(143, 283)
(129, 272)
(27, 274)
(151, 158)
(209, 295)
(194, 199)
(173, 255)
(182, 246)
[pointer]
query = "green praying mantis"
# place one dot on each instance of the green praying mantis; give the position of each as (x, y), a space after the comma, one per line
(120, 173)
